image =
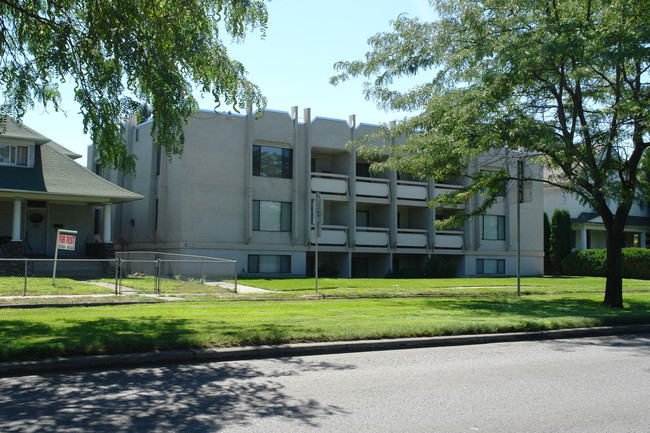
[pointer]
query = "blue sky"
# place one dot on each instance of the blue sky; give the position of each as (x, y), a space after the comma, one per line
(292, 65)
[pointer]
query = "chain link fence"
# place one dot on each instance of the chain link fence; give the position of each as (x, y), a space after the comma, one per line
(128, 273)
(153, 272)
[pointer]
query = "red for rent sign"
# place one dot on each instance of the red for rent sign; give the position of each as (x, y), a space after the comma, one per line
(66, 242)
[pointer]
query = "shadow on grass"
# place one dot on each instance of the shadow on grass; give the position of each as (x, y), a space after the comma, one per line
(26, 340)
(541, 308)
(206, 397)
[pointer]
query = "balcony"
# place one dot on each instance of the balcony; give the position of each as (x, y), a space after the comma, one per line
(452, 240)
(373, 187)
(372, 237)
(327, 183)
(409, 238)
(408, 190)
(331, 235)
(446, 189)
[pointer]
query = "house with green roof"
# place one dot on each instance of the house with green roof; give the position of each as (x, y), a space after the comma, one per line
(43, 189)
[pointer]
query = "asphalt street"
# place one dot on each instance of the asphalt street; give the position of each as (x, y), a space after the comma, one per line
(575, 385)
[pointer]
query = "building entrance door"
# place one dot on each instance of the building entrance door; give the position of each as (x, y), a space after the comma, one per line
(36, 236)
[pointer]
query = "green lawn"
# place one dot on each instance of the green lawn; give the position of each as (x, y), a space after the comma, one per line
(56, 332)
(147, 284)
(298, 288)
(14, 286)
(382, 287)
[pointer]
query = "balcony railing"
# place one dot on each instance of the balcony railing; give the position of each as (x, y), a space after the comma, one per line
(373, 187)
(331, 235)
(408, 190)
(449, 239)
(372, 237)
(410, 238)
(327, 183)
(446, 189)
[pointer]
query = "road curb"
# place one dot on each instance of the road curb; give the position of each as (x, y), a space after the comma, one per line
(85, 363)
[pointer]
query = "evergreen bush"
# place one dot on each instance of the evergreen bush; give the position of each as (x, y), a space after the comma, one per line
(593, 263)
(560, 239)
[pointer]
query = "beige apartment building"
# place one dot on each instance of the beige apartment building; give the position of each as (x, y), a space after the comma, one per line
(245, 186)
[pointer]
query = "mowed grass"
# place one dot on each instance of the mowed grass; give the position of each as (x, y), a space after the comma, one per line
(146, 284)
(382, 287)
(15, 286)
(32, 334)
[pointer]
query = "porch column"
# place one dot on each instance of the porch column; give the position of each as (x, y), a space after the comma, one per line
(583, 238)
(107, 224)
(15, 232)
(642, 242)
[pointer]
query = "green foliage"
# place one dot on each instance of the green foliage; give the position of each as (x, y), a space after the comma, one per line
(559, 239)
(592, 263)
(547, 245)
(435, 267)
(440, 267)
(156, 51)
(636, 263)
(565, 81)
(405, 273)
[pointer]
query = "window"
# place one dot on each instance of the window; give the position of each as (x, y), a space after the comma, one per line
(502, 184)
(494, 227)
(13, 155)
(271, 216)
(269, 264)
(97, 214)
(490, 266)
(363, 218)
(272, 162)
(363, 169)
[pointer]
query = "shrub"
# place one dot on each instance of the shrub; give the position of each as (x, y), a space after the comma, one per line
(436, 267)
(636, 263)
(590, 263)
(328, 270)
(406, 273)
(440, 267)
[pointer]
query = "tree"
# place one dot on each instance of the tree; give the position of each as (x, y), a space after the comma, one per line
(156, 51)
(559, 239)
(564, 82)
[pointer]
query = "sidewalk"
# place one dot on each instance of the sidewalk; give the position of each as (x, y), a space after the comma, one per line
(291, 350)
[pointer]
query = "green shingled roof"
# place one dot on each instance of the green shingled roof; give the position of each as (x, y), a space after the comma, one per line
(64, 176)
(9, 128)
(55, 173)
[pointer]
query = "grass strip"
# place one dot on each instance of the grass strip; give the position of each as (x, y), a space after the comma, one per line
(382, 287)
(36, 286)
(49, 333)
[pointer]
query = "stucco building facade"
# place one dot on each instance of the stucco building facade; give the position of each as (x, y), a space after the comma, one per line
(244, 189)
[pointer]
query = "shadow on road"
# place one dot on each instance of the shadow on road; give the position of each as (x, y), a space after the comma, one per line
(199, 398)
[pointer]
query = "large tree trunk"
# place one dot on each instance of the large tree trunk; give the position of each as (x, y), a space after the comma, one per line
(614, 285)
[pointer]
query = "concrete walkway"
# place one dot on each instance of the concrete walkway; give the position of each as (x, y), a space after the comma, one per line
(240, 288)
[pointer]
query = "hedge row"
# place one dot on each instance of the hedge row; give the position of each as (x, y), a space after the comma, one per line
(593, 263)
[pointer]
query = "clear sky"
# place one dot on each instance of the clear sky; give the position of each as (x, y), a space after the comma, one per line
(292, 65)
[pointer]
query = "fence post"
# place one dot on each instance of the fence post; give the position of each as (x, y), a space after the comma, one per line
(25, 283)
(158, 276)
(235, 269)
(117, 275)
